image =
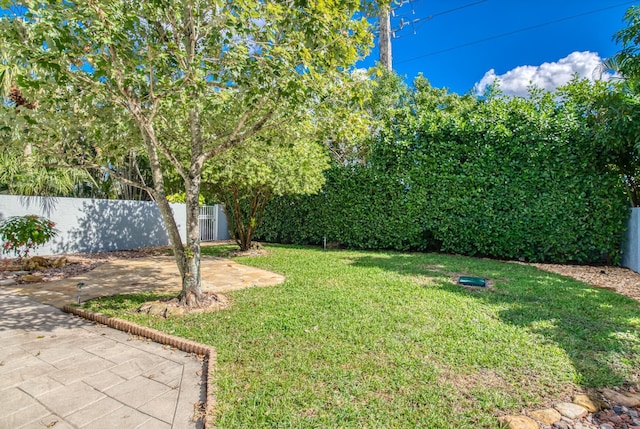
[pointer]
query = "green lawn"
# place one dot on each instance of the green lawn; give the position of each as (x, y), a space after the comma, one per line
(387, 340)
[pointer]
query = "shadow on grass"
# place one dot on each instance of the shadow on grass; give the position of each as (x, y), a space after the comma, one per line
(218, 250)
(599, 330)
(117, 304)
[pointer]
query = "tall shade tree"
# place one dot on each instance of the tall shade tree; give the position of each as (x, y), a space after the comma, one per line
(194, 78)
(627, 61)
(612, 112)
(614, 108)
(247, 177)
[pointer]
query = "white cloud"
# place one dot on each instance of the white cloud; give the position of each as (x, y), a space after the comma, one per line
(549, 76)
(360, 73)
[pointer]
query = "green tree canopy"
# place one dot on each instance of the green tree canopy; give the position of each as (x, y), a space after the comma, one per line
(181, 80)
(614, 108)
(247, 177)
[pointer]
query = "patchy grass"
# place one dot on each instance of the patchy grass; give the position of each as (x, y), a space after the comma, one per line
(219, 250)
(387, 340)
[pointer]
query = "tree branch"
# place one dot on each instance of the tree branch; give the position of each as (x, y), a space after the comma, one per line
(148, 129)
(235, 140)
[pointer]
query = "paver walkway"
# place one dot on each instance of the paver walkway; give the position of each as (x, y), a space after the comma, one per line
(60, 371)
(57, 370)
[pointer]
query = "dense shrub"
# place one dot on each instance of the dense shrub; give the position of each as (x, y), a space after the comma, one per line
(359, 207)
(22, 234)
(502, 177)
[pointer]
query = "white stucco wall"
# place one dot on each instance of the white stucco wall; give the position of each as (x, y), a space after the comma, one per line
(92, 225)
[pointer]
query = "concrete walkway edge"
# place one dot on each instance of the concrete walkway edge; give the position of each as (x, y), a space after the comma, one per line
(131, 328)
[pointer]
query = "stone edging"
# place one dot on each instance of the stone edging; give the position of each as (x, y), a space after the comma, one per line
(209, 353)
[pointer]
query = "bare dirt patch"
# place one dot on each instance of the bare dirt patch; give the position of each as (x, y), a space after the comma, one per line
(257, 249)
(173, 308)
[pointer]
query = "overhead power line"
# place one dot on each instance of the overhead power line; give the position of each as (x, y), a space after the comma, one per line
(422, 20)
(510, 33)
(455, 9)
(386, 33)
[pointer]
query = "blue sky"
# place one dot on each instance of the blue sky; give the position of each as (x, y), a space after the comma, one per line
(458, 43)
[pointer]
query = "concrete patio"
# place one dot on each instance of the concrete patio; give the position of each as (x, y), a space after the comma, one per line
(57, 370)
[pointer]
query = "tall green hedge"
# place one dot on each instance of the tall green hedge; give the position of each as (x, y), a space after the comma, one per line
(358, 207)
(507, 178)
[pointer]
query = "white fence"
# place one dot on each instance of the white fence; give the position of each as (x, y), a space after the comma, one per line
(93, 225)
(631, 248)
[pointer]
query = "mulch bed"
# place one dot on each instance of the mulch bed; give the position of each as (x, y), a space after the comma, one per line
(621, 280)
(77, 263)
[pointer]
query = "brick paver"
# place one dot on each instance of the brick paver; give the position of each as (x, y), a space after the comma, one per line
(57, 370)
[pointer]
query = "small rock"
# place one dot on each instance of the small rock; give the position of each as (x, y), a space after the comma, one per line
(7, 282)
(592, 405)
(606, 426)
(573, 411)
(30, 278)
(547, 416)
(562, 425)
(174, 312)
(60, 262)
(519, 422)
(157, 309)
(36, 263)
(615, 419)
(630, 400)
(579, 425)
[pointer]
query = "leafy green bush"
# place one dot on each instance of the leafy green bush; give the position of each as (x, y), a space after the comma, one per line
(181, 197)
(22, 234)
(509, 178)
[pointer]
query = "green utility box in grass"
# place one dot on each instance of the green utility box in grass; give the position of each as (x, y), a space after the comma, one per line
(472, 281)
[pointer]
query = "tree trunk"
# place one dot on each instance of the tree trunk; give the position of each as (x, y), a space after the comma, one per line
(191, 293)
(244, 216)
(187, 258)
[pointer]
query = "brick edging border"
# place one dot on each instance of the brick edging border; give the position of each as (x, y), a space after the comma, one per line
(208, 352)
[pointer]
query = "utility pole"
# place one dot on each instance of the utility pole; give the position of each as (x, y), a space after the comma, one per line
(384, 39)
